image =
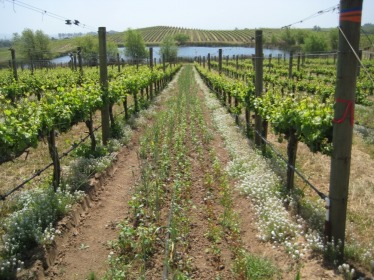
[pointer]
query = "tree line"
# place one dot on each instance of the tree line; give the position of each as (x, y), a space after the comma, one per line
(36, 45)
(308, 41)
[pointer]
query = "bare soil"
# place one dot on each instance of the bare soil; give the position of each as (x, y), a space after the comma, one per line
(83, 245)
(316, 167)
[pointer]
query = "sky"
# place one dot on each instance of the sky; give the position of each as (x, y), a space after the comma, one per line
(119, 15)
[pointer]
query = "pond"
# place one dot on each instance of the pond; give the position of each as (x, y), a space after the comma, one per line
(193, 51)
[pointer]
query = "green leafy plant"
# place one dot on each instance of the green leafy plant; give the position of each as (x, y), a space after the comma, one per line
(253, 267)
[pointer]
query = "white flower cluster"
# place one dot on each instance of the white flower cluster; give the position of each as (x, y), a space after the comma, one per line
(90, 166)
(127, 135)
(261, 185)
(32, 222)
(151, 112)
(114, 145)
(140, 121)
(347, 272)
(10, 267)
(49, 235)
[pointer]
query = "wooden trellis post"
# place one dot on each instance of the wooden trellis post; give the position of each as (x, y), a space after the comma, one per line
(349, 38)
(104, 85)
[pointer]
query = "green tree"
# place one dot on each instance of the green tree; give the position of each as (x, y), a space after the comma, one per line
(181, 38)
(4, 43)
(317, 28)
(315, 43)
(35, 45)
(168, 48)
(111, 50)
(334, 38)
(134, 45)
(274, 40)
(288, 38)
(300, 37)
(90, 49)
(368, 28)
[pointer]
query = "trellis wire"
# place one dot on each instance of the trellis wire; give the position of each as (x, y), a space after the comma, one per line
(40, 171)
(320, 194)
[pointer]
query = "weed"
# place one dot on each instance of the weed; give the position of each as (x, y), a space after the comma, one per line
(253, 267)
(91, 276)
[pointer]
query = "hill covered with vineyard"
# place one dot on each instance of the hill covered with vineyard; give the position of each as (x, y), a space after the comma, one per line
(154, 35)
(272, 38)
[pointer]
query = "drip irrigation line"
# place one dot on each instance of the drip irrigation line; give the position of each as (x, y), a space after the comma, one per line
(319, 54)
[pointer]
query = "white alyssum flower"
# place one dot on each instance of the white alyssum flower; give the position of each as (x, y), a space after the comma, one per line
(260, 184)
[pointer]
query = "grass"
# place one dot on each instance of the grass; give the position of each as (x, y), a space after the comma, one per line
(254, 268)
(164, 179)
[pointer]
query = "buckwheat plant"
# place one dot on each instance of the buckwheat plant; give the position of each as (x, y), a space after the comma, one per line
(261, 185)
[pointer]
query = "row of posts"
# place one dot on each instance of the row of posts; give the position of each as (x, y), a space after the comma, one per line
(336, 201)
(77, 62)
(103, 75)
(301, 58)
(103, 68)
(13, 62)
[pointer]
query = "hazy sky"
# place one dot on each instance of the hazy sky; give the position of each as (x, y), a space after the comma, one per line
(202, 14)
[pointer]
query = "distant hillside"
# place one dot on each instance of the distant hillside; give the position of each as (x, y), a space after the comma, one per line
(154, 36)
(238, 37)
(368, 28)
(200, 37)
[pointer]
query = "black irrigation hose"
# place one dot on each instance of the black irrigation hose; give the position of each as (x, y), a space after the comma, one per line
(320, 194)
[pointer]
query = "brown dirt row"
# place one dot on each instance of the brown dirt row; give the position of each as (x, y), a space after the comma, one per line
(82, 247)
(312, 269)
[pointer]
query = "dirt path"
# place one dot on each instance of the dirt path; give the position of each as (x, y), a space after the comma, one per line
(311, 268)
(83, 246)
